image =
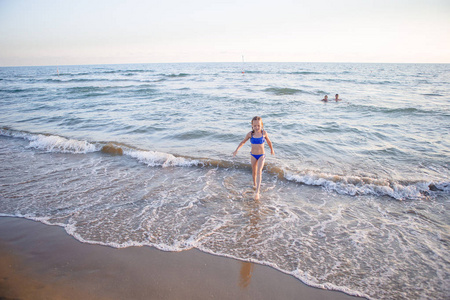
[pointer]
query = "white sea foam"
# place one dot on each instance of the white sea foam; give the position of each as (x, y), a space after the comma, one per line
(161, 159)
(444, 186)
(54, 143)
(353, 185)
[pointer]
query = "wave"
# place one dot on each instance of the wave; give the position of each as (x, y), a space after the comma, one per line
(51, 143)
(381, 82)
(102, 71)
(399, 110)
(341, 184)
(305, 73)
(103, 90)
(82, 80)
(160, 159)
(283, 72)
(362, 82)
(86, 89)
(176, 75)
(59, 144)
(356, 185)
(134, 71)
(62, 74)
(51, 80)
(25, 90)
(433, 95)
(285, 91)
(253, 72)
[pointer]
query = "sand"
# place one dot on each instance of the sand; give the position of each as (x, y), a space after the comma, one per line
(43, 262)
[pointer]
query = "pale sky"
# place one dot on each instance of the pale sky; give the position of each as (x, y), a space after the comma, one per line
(60, 32)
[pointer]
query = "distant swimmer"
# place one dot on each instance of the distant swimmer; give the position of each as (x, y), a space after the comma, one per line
(325, 99)
(337, 98)
(257, 138)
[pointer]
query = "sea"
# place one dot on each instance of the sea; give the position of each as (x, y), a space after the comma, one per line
(356, 198)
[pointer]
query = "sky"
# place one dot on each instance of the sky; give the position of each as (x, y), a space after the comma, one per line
(58, 32)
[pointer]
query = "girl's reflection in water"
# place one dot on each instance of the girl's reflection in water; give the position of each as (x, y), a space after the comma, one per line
(246, 274)
(252, 232)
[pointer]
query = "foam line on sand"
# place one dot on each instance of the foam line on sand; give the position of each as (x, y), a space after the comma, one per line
(43, 262)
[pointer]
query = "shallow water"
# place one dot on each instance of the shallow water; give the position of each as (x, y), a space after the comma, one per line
(356, 198)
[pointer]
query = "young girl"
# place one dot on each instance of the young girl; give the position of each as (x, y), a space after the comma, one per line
(257, 138)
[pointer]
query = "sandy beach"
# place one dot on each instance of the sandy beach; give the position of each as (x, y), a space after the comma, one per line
(44, 262)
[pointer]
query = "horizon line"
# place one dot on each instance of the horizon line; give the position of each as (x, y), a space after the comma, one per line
(216, 62)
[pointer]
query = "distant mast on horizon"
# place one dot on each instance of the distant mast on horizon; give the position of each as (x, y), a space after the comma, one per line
(243, 69)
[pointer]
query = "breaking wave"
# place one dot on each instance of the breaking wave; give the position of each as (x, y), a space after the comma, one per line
(341, 184)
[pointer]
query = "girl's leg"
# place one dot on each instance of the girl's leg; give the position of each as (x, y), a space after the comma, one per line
(259, 166)
(254, 165)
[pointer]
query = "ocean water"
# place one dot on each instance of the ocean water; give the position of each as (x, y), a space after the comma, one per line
(356, 198)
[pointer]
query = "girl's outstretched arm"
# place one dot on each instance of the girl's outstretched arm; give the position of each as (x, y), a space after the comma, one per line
(247, 137)
(269, 142)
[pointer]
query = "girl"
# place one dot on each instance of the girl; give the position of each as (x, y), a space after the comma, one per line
(257, 138)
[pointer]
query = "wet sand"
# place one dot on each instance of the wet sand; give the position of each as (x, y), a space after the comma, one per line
(43, 262)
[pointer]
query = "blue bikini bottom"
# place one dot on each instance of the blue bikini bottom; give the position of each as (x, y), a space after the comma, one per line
(257, 156)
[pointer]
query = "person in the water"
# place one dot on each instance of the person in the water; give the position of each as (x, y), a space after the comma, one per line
(325, 99)
(258, 136)
(336, 98)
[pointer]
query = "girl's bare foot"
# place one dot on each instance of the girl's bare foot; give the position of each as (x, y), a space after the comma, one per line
(257, 196)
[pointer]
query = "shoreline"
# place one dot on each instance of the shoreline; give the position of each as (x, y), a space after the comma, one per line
(43, 262)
